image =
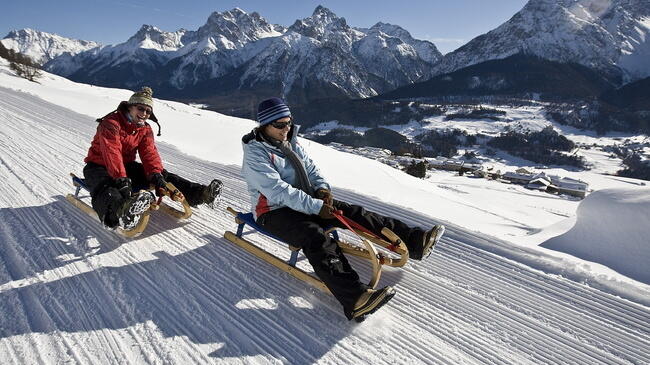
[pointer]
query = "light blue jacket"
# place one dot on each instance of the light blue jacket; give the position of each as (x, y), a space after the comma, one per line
(272, 180)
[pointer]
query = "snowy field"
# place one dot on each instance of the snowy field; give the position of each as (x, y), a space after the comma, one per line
(521, 277)
(523, 118)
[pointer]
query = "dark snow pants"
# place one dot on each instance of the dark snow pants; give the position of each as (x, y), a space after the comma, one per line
(325, 256)
(106, 199)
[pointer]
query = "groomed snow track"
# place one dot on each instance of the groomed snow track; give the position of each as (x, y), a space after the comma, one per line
(71, 291)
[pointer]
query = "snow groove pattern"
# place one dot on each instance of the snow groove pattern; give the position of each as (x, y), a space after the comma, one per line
(71, 291)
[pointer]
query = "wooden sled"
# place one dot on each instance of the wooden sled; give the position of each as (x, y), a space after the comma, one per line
(75, 199)
(369, 252)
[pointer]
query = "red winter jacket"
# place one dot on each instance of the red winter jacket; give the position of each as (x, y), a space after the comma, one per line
(116, 142)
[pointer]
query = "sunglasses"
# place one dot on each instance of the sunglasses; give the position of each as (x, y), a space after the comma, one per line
(143, 109)
(281, 125)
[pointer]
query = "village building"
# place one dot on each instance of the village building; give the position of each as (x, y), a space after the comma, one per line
(540, 181)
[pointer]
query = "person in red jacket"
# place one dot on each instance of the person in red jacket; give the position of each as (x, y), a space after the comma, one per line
(113, 174)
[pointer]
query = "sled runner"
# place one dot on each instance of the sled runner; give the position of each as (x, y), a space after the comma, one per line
(392, 242)
(75, 199)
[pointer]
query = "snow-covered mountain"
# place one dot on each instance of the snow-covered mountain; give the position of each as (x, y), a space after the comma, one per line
(319, 56)
(43, 47)
(234, 29)
(223, 43)
(322, 55)
(175, 59)
(150, 37)
(609, 35)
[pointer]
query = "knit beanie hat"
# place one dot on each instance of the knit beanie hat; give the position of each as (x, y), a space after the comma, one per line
(271, 110)
(142, 97)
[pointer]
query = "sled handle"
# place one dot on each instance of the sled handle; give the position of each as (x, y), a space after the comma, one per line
(179, 214)
(373, 256)
(392, 237)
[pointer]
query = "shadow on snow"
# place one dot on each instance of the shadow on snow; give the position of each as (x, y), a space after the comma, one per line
(214, 294)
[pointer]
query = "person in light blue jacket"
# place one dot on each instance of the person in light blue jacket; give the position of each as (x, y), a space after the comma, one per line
(291, 200)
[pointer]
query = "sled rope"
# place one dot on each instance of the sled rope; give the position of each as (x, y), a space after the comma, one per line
(350, 224)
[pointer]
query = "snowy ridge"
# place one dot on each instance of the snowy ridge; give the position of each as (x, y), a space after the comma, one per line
(321, 50)
(236, 28)
(74, 292)
(602, 34)
(225, 42)
(603, 207)
(150, 37)
(424, 49)
(204, 53)
(355, 62)
(43, 47)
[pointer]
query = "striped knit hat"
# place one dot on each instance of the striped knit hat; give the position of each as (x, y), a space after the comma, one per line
(271, 110)
(142, 97)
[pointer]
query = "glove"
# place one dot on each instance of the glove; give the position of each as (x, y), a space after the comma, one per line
(326, 196)
(326, 212)
(159, 183)
(123, 185)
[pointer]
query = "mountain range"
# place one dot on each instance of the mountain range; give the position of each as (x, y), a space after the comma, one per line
(519, 75)
(237, 58)
(612, 36)
(43, 47)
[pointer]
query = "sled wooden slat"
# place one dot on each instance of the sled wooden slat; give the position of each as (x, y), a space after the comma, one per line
(394, 244)
(137, 230)
(275, 261)
(373, 257)
(368, 251)
(144, 220)
(354, 250)
(187, 210)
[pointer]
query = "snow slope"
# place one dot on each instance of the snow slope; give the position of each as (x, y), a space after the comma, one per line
(624, 245)
(71, 291)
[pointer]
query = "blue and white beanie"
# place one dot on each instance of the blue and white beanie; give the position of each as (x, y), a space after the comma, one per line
(271, 110)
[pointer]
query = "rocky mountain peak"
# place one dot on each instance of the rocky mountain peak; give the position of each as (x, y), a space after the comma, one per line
(43, 46)
(392, 30)
(151, 37)
(324, 14)
(235, 27)
(233, 16)
(235, 52)
(609, 35)
(321, 24)
(425, 50)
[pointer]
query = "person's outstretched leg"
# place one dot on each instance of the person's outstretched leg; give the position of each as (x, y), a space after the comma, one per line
(329, 263)
(418, 241)
(195, 193)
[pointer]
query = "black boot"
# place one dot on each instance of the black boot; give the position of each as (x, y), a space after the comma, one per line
(131, 211)
(370, 301)
(211, 192)
(423, 243)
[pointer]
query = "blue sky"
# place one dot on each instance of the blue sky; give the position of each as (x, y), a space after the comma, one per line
(447, 23)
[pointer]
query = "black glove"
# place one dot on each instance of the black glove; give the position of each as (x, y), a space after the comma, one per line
(159, 183)
(326, 196)
(326, 212)
(123, 185)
